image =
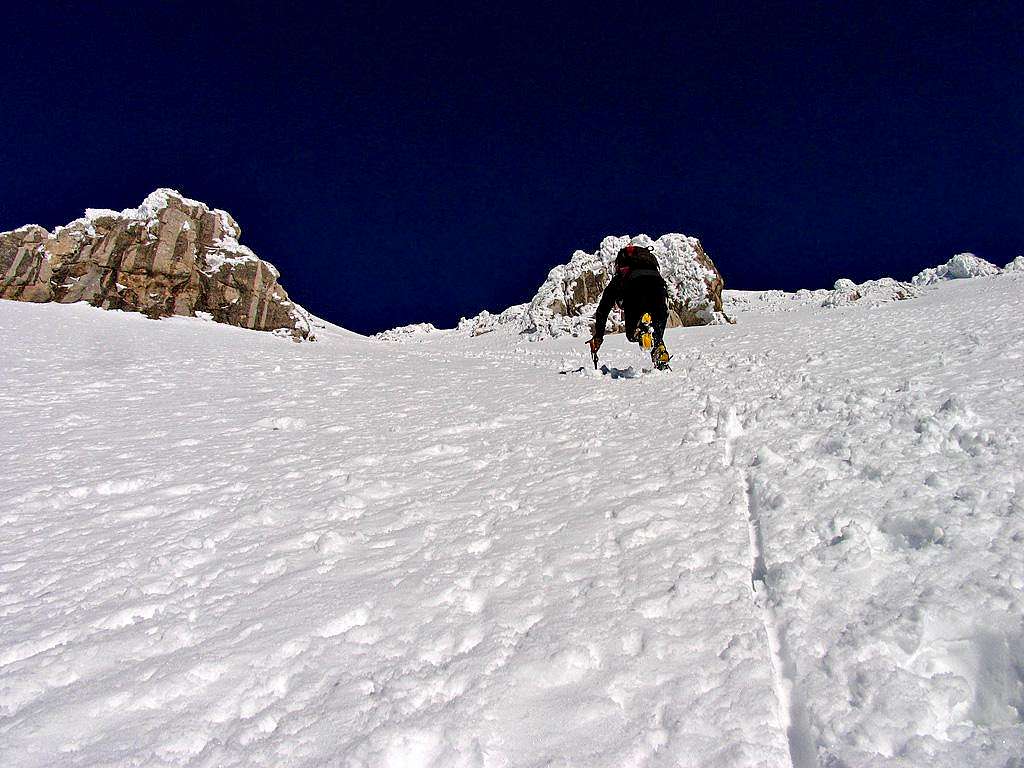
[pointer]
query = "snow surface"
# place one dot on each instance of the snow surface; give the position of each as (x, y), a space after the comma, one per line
(804, 546)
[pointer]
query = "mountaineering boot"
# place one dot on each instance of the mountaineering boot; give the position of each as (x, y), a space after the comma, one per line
(660, 356)
(646, 332)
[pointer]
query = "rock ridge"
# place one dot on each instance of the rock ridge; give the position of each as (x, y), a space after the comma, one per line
(567, 299)
(169, 256)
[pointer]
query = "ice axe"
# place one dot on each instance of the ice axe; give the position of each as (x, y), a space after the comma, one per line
(594, 345)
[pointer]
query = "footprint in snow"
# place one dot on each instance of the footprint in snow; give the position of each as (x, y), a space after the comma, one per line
(480, 546)
(442, 449)
(282, 424)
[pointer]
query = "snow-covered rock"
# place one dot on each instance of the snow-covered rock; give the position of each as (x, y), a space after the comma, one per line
(407, 332)
(1017, 265)
(844, 293)
(739, 302)
(486, 322)
(169, 256)
(869, 292)
(566, 301)
(963, 265)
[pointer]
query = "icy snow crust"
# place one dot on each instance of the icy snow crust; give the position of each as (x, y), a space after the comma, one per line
(804, 546)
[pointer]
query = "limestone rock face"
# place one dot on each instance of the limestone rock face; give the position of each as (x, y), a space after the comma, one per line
(169, 256)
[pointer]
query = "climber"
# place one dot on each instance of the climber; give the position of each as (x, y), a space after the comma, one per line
(640, 290)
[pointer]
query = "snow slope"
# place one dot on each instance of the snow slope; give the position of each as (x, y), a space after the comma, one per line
(802, 547)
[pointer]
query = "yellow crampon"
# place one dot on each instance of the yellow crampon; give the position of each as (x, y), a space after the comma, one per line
(660, 357)
(647, 334)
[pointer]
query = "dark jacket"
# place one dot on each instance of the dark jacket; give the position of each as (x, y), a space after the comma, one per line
(637, 287)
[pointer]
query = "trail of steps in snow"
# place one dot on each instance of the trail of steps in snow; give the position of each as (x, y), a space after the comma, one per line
(376, 577)
(792, 717)
(792, 709)
(271, 554)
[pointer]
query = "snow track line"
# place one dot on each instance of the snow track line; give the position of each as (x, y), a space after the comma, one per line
(792, 713)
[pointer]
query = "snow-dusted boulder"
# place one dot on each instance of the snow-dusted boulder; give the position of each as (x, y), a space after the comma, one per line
(869, 292)
(411, 332)
(963, 265)
(566, 301)
(844, 293)
(486, 322)
(773, 300)
(1017, 265)
(169, 256)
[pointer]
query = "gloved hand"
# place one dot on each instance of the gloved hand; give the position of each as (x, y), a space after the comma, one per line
(595, 344)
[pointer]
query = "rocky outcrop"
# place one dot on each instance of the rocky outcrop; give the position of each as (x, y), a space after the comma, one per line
(1017, 265)
(414, 332)
(169, 256)
(963, 265)
(871, 292)
(566, 301)
(486, 322)
(844, 293)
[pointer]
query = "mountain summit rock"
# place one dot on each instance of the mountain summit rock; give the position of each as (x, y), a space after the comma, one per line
(169, 256)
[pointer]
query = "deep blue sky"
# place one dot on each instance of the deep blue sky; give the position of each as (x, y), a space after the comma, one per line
(416, 164)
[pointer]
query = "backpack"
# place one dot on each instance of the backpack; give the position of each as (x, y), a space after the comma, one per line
(635, 257)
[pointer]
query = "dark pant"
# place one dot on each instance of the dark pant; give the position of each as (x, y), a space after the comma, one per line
(659, 318)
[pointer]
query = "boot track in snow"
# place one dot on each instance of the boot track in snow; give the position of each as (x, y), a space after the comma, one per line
(792, 716)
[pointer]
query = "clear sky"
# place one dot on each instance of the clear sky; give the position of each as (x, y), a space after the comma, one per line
(407, 164)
